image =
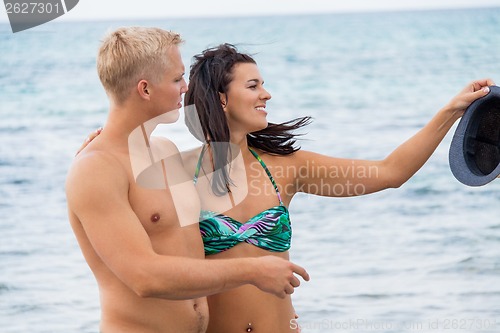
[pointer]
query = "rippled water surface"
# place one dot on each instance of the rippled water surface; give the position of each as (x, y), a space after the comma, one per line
(421, 258)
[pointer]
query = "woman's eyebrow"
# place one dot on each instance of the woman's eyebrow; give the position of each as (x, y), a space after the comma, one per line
(255, 81)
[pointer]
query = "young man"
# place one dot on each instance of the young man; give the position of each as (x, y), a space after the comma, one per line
(133, 210)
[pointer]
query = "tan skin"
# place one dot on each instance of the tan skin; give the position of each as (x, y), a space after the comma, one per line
(150, 271)
(246, 308)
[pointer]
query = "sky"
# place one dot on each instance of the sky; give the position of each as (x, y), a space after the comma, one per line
(119, 9)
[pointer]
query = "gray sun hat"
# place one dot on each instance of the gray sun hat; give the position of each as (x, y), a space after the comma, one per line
(475, 148)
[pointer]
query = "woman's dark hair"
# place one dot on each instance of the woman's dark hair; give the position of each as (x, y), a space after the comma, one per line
(210, 74)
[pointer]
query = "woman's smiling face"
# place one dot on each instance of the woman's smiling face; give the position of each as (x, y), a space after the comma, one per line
(246, 99)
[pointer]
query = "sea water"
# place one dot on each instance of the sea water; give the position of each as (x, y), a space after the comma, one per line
(421, 258)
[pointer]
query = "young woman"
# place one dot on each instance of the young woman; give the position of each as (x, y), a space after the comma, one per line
(248, 171)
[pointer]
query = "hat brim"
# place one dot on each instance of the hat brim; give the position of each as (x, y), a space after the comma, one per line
(461, 165)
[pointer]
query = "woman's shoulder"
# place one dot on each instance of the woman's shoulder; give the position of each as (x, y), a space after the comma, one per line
(299, 159)
(278, 160)
(300, 153)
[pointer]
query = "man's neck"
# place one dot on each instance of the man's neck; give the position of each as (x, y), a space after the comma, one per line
(124, 120)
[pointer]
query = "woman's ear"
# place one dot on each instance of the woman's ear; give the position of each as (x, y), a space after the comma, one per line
(143, 89)
(223, 100)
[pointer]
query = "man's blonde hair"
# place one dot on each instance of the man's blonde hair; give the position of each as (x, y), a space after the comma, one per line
(130, 54)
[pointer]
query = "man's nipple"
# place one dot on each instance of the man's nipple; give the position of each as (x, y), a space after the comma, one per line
(155, 217)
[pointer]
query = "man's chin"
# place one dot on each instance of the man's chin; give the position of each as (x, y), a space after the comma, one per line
(169, 117)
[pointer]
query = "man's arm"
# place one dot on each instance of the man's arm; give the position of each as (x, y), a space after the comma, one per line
(97, 192)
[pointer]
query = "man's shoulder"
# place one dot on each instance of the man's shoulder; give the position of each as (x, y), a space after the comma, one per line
(164, 145)
(95, 167)
(95, 158)
(190, 158)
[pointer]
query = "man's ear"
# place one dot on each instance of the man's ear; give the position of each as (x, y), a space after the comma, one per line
(143, 88)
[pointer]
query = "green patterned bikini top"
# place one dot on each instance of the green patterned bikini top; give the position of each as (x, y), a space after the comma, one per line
(270, 230)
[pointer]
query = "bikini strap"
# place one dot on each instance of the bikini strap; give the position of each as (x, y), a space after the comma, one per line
(198, 166)
(264, 166)
(268, 173)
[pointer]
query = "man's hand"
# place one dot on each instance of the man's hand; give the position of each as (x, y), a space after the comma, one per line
(277, 276)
